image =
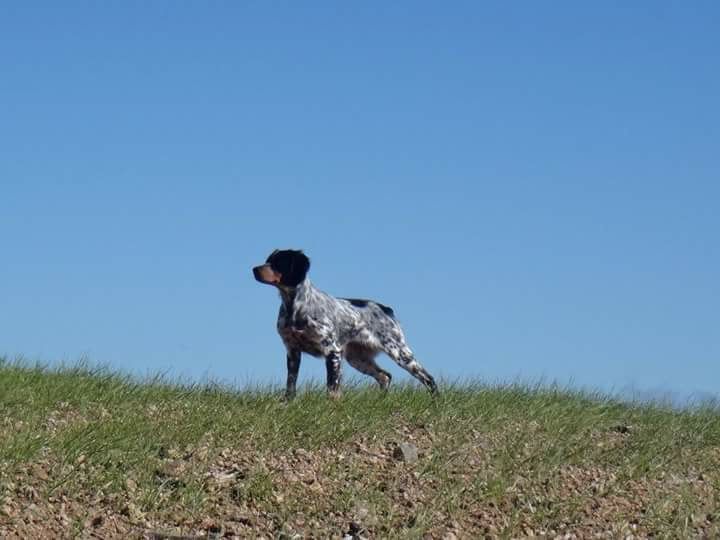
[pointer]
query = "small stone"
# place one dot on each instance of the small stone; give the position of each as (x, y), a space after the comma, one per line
(406, 452)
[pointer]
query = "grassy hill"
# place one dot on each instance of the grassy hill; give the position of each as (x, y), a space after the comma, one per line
(91, 454)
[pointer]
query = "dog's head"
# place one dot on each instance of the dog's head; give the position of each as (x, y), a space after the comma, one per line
(283, 268)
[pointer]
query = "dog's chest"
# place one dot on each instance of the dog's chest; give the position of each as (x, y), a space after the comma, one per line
(300, 333)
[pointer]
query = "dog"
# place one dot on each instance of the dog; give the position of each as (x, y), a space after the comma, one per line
(313, 322)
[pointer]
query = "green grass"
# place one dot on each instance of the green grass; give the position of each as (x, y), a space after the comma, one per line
(85, 449)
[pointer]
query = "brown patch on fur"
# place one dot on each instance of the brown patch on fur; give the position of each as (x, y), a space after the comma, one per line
(266, 274)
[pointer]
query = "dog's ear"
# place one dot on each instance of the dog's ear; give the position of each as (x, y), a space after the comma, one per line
(299, 266)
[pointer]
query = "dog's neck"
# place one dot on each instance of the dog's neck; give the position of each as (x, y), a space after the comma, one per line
(289, 295)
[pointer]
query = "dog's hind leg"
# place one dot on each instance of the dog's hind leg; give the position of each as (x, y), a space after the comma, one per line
(363, 359)
(396, 348)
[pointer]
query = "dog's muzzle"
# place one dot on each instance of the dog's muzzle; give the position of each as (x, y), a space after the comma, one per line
(265, 274)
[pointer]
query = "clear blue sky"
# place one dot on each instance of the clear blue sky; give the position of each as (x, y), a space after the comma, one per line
(533, 186)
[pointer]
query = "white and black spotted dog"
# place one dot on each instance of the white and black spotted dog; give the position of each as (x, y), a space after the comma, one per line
(313, 322)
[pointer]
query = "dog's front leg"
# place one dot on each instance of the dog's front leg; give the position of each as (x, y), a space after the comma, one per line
(293, 367)
(332, 364)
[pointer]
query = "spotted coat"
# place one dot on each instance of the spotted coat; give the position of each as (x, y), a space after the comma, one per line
(314, 322)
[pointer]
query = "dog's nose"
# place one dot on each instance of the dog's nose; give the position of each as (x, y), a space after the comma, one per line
(257, 272)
